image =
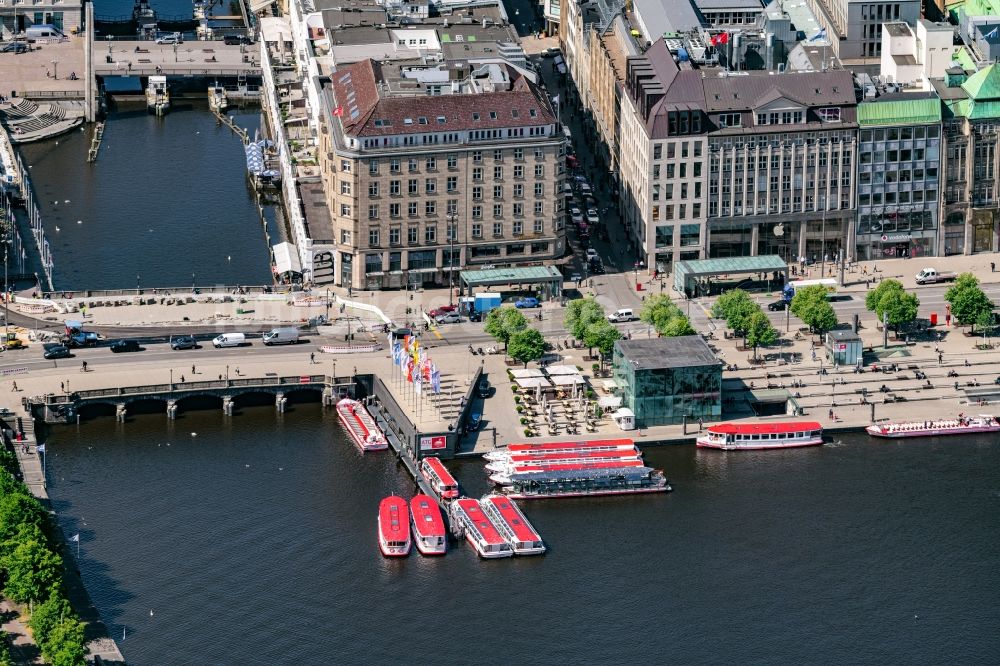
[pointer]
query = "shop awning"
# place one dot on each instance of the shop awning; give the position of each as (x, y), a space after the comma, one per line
(286, 259)
(609, 384)
(562, 370)
(524, 373)
(533, 382)
(609, 402)
(567, 380)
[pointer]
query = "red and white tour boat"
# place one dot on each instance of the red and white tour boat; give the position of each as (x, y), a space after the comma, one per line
(963, 425)
(441, 480)
(428, 526)
(567, 470)
(751, 436)
(364, 431)
(559, 458)
(479, 530)
(512, 525)
(394, 527)
(556, 447)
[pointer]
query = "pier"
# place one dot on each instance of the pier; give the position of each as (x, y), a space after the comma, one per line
(95, 142)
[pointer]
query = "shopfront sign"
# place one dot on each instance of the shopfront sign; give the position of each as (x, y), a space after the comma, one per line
(433, 443)
(896, 238)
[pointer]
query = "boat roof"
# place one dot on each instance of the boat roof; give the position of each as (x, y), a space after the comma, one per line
(392, 520)
(426, 516)
(764, 428)
(584, 474)
(572, 455)
(442, 472)
(576, 466)
(514, 518)
(485, 526)
(547, 446)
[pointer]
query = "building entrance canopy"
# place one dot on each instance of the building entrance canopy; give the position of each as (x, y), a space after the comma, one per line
(548, 279)
(688, 274)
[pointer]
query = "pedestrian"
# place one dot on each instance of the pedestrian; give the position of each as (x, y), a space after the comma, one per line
(220, 377)
(993, 267)
(193, 371)
(182, 379)
(237, 371)
(940, 358)
(312, 358)
(701, 424)
(62, 386)
(83, 367)
(831, 414)
(13, 387)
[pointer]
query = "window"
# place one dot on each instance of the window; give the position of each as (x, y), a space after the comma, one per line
(452, 183)
(498, 191)
(373, 167)
(539, 227)
(518, 228)
(498, 155)
(518, 191)
(519, 153)
(394, 210)
(431, 163)
(657, 151)
(345, 237)
(373, 188)
(477, 230)
(373, 238)
(518, 171)
(477, 213)
(539, 154)
(412, 186)
(394, 166)
(477, 193)
(539, 189)
(518, 210)
(729, 120)
(430, 208)
(539, 207)
(394, 188)
(412, 164)
(452, 162)
(412, 234)
(497, 229)
(394, 235)
(452, 208)
(671, 151)
(345, 210)
(345, 187)
(372, 211)
(345, 166)
(430, 185)
(539, 171)
(829, 114)
(498, 173)
(430, 234)
(477, 174)
(497, 210)
(477, 156)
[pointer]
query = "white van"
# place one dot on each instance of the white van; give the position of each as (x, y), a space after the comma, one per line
(42, 31)
(624, 314)
(229, 340)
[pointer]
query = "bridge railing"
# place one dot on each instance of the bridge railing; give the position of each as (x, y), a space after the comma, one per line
(243, 382)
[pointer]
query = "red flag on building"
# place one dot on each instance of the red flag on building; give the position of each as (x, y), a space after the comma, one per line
(721, 38)
(339, 111)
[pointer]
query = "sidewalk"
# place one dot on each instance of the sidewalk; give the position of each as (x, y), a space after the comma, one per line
(22, 645)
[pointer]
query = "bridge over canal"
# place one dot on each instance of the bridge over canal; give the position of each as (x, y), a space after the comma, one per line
(65, 407)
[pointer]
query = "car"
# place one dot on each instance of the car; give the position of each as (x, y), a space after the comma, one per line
(484, 388)
(14, 47)
(437, 312)
(575, 215)
(448, 318)
(55, 350)
(778, 306)
(592, 254)
(550, 52)
(122, 346)
(597, 267)
(585, 189)
(592, 217)
(527, 302)
(14, 343)
(169, 39)
(475, 315)
(183, 342)
(575, 277)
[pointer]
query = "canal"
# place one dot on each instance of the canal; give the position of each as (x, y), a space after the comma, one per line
(166, 204)
(252, 540)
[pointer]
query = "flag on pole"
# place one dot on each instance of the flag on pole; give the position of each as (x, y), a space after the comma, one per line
(991, 34)
(75, 538)
(417, 382)
(435, 379)
(721, 38)
(409, 370)
(41, 448)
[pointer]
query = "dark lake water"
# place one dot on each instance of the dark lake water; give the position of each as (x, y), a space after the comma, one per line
(254, 542)
(167, 199)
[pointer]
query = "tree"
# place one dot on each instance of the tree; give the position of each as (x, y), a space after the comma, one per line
(581, 313)
(48, 614)
(759, 332)
(806, 295)
(677, 327)
(969, 305)
(817, 315)
(892, 303)
(733, 298)
(65, 644)
(526, 346)
(32, 570)
(963, 281)
(601, 334)
(503, 323)
(985, 322)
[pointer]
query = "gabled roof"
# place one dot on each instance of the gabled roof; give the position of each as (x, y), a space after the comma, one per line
(984, 84)
(811, 89)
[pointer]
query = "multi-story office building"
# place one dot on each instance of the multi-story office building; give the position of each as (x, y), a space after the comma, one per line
(16, 15)
(899, 155)
(970, 128)
(433, 167)
(720, 165)
(855, 26)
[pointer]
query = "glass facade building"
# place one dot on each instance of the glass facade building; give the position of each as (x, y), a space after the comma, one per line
(667, 379)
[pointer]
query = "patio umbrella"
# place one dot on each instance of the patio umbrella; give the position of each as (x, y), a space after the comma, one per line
(538, 393)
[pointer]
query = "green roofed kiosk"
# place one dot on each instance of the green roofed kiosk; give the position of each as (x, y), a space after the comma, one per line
(694, 278)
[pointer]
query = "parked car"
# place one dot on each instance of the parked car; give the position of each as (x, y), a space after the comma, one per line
(527, 302)
(597, 266)
(778, 306)
(576, 215)
(575, 277)
(585, 189)
(484, 388)
(183, 342)
(592, 217)
(14, 47)
(592, 254)
(550, 52)
(173, 38)
(437, 312)
(122, 346)
(448, 318)
(229, 340)
(55, 350)
(475, 315)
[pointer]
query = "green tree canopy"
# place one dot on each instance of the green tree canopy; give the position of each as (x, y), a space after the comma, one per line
(891, 302)
(677, 327)
(526, 346)
(759, 332)
(963, 281)
(818, 315)
(581, 313)
(32, 571)
(601, 334)
(807, 295)
(874, 297)
(970, 304)
(64, 645)
(727, 302)
(49, 613)
(502, 323)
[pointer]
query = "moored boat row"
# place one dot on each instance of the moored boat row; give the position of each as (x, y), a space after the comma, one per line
(395, 519)
(512, 525)
(479, 530)
(962, 425)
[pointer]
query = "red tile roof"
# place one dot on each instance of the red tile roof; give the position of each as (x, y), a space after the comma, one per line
(356, 93)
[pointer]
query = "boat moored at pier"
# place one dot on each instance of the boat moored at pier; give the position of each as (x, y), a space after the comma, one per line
(961, 425)
(753, 436)
(428, 526)
(583, 483)
(479, 530)
(566, 470)
(157, 95)
(512, 525)
(556, 447)
(394, 527)
(441, 480)
(361, 426)
(568, 457)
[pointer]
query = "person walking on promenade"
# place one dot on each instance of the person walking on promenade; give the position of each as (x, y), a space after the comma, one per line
(993, 267)
(182, 379)
(312, 358)
(83, 367)
(13, 387)
(193, 372)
